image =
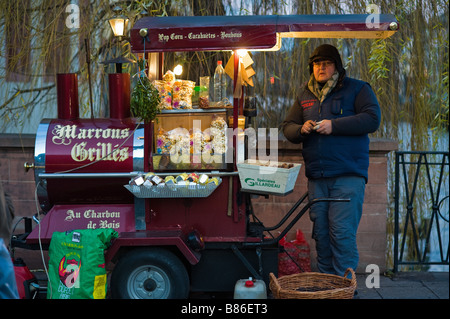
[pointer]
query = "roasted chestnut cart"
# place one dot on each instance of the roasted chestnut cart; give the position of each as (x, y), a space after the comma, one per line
(171, 241)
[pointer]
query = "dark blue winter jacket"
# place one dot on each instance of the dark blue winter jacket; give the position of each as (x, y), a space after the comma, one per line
(354, 110)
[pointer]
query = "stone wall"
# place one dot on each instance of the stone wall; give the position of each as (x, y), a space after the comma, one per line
(15, 150)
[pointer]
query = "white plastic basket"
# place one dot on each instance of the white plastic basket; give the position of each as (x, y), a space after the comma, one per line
(268, 178)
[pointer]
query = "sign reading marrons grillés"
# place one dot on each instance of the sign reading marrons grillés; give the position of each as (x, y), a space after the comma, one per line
(105, 144)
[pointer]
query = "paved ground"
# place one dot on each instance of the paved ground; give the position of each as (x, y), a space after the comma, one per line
(406, 285)
(403, 285)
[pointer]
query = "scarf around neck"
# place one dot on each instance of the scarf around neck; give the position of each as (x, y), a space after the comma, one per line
(321, 93)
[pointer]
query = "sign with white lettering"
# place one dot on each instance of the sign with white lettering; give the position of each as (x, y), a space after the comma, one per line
(253, 32)
(211, 34)
(61, 218)
(106, 142)
(218, 37)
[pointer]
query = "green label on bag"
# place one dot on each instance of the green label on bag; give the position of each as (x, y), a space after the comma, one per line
(99, 287)
(69, 274)
(77, 264)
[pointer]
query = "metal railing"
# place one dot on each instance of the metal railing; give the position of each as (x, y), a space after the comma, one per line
(421, 236)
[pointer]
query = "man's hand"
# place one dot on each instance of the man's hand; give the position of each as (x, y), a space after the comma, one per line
(323, 127)
(308, 127)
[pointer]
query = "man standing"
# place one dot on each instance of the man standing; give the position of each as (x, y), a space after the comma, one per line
(332, 117)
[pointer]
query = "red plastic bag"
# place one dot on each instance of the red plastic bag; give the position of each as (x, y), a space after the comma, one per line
(296, 253)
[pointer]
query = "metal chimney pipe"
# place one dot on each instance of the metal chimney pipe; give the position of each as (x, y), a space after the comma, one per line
(67, 96)
(119, 95)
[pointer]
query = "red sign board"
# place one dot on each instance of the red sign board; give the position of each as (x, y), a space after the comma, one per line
(203, 33)
(60, 218)
(103, 145)
(193, 34)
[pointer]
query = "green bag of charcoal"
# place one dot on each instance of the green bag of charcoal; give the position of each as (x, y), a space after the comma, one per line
(77, 264)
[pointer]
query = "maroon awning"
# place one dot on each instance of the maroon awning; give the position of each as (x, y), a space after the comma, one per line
(204, 33)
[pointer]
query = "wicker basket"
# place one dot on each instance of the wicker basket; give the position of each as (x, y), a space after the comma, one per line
(311, 285)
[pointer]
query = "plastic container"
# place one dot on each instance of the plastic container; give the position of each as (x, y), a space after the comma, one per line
(268, 179)
(220, 85)
(250, 289)
(204, 86)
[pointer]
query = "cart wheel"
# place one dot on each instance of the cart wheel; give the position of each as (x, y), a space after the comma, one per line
(149, 273)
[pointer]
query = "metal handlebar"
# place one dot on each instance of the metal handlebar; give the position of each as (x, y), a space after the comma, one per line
(294, 221)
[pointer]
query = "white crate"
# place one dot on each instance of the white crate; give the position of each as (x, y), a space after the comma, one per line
(270, 179)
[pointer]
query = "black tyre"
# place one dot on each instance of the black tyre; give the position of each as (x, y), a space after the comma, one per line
(149, 273)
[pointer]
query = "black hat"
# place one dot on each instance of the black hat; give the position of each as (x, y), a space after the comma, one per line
(326, 52)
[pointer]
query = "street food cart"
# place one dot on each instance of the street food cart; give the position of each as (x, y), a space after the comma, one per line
(173, 240)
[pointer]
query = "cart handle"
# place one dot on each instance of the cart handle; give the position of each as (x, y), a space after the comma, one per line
(294, 221)
(291, 211)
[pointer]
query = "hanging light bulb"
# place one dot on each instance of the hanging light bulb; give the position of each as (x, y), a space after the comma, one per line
(241, 53)
(178, 70)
